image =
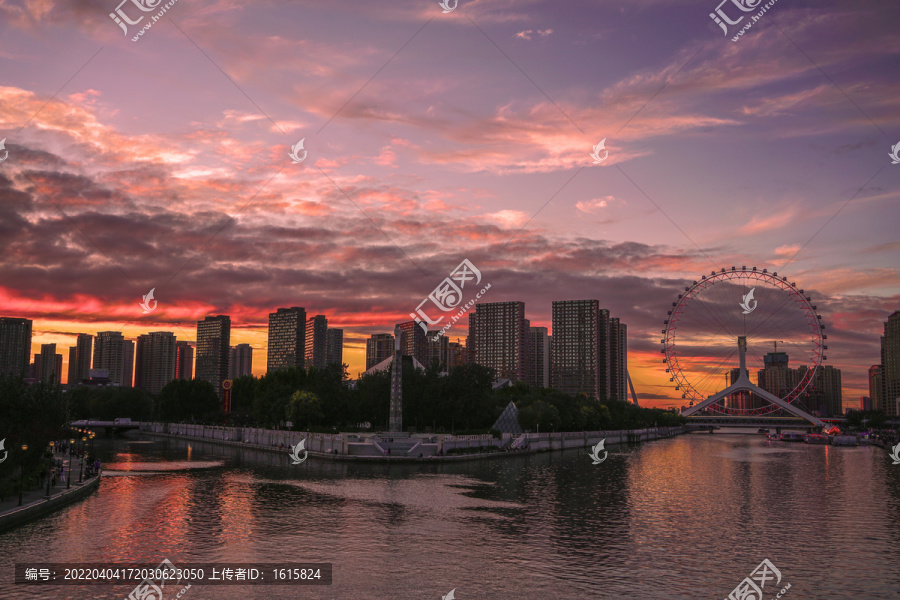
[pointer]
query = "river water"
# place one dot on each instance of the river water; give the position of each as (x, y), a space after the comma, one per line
(684, 518)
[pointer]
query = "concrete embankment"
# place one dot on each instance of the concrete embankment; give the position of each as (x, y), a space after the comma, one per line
(402, 447)
(39, 507)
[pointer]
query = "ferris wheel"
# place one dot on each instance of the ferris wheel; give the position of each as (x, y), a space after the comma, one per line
(730, 325)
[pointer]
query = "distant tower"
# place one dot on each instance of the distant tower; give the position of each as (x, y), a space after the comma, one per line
(396, 416)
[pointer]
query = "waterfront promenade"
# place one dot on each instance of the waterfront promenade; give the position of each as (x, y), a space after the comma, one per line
(36, 503)
(403, 446)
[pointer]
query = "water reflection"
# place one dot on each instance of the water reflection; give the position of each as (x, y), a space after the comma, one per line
(687, 517)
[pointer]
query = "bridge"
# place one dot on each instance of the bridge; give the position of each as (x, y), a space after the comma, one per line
(118, 424)
(743, 384)
(722, 420)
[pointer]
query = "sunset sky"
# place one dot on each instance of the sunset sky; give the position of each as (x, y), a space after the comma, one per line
(435, 137)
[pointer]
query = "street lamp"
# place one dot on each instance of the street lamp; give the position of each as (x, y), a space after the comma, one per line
(50, 467)
(81, 468)
(69, 469)
(22, 472)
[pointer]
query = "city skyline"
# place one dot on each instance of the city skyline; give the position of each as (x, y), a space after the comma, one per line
(181, 182)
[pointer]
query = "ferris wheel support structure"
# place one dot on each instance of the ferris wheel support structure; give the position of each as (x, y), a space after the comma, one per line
(743, 383)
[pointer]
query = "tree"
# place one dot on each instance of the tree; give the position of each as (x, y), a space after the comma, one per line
(304, 408)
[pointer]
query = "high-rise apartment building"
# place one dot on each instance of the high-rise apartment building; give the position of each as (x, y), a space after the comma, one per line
(213, 347)
(287, 338)
(580, 349)
(539, 357)
(379, 347)
(501, 338)
(456, 352)
(155, 359)
(240, 361)
(80, 359)
(114, 354)
(334, 346)
(184, 360)
(618, 359)
(48, 365)
(437, 349)
(824, 393)
(316, 341)
(15, 346)
(889, 396)
(413, 341)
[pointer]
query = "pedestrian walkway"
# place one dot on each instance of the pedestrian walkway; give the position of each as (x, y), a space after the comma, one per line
(36, 496)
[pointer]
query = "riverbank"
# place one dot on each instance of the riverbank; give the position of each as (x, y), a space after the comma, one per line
(403, 447)
(36, 504)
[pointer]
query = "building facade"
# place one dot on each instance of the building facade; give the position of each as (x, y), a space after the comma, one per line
(501, 338)
(184, 360)
(539, 357)
(213, 348)
(80, 359)
(334, 346)
(580, 348)
(240, 361)
(889, 392)
(15, 346)
(618, 360)
(115, 355)
(48, 365)
(413, 341)
(379, 347)
(317, 341)
(287, 339)
(155, 357)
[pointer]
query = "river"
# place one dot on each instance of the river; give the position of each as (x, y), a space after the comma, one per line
(683, 518)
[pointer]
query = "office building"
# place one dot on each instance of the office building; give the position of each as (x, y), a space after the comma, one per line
(240, 361)
(15, 346)
(334, 346)
(823, 396)
(184, 360)
(213, 347)
(865, 403)
(539, 357)
(500, 339)
(889, 394)
(114, 354)
(379, 347)
(316, 341)
(287, 339)
(580, 348)
(155, 358)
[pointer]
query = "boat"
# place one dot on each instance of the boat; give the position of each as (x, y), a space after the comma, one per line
(762, 430)
(845, 440)
(816, 438)
(791, 436)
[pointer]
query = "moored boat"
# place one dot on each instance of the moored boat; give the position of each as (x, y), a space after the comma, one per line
(791, 436)
(816, 438)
